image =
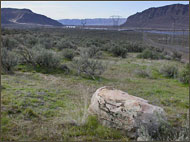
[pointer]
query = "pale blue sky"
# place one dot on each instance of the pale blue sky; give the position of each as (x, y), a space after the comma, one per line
(86, 9)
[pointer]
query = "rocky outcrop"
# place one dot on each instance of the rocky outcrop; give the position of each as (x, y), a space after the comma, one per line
(118, 109)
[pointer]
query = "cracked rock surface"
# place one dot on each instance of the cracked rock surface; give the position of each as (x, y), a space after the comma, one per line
(118, 109)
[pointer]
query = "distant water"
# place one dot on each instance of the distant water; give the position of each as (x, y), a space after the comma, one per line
(169, 32)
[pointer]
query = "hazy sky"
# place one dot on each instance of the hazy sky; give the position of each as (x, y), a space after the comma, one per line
(86, 9)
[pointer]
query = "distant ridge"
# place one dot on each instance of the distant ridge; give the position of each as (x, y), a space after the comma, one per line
(170, 16)
(91, 22)
(26, 17)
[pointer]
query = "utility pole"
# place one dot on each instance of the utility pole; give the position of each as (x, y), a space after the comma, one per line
(183, 44)
(143, 37)
(173, 26)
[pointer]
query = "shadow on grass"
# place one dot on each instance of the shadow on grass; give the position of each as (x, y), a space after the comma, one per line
(44, 70)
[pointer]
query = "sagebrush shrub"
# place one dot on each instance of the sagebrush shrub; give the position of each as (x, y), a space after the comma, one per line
(88, 67)
(107, 46)
(176, 55)
(150, 54)
(63, 44)
(94, 52)
(64, 68)
(184, 75)
(170, 71)
(8, 60)
(144, 73)
(39, 57)
(165, 132)
(9, 42)
(31, 40)
(96, 42)
(68, 54)
(133, 47)
(119, 51)
(46, 58)
(26, 55)
(48, 43)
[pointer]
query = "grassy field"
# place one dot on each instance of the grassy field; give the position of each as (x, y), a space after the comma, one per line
(53, 106)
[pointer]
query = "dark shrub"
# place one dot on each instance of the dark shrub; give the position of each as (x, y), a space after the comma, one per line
(150, 54)
(119, 51)
(8, 60)
(133, 47)
(146, 54)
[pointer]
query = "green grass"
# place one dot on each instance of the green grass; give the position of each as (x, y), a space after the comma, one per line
(38, 106)
(49, 104)
(93, 128)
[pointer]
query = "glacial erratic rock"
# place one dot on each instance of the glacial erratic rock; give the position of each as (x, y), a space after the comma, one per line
(118, 109)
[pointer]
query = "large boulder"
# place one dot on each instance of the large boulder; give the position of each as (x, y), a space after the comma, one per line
(118, 109)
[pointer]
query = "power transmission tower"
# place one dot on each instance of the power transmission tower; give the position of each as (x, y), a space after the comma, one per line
(115, 19)
(83, 22)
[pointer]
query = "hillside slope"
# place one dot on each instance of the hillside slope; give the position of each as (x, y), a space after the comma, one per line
(169, 16)
(25, 16)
